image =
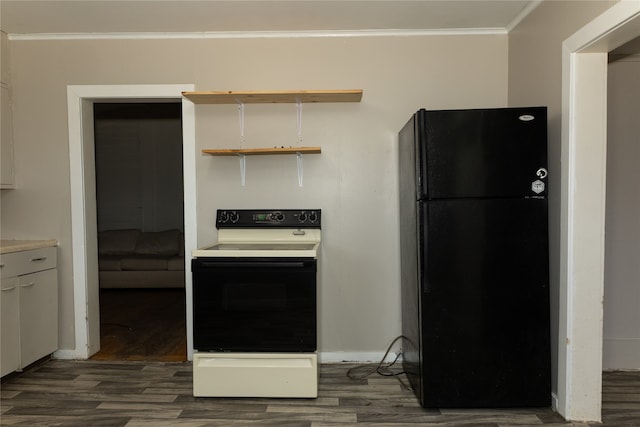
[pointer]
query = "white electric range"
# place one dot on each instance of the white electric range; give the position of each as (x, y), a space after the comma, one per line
(255, 305)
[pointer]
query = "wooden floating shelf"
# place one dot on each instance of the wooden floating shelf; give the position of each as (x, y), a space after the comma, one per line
(273, 97)
(263, 151)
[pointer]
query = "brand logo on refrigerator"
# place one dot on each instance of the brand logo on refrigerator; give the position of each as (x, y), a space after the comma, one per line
(542, 173)
(537, 186)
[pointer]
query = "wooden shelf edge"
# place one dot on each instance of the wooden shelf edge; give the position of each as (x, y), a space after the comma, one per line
(263, 151)
(273, 97)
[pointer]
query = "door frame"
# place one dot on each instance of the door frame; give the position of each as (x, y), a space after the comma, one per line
(80, 100)
(584, 144)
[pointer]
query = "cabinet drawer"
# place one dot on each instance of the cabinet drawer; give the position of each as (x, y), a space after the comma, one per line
(25, 262)
(255, 375)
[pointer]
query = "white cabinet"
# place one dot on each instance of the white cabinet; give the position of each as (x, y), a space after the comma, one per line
(9, 326)
(29, 302)
(38, 315)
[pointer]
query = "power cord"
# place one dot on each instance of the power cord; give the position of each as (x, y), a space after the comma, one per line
(361, 372)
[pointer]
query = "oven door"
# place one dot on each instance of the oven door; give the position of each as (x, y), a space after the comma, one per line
(254, 304)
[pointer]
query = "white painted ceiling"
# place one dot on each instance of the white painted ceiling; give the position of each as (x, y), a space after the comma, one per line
(23, 17)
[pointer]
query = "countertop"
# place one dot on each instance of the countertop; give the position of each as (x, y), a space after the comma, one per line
(9, 246)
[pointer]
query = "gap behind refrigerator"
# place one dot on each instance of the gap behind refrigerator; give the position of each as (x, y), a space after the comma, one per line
(474, 257)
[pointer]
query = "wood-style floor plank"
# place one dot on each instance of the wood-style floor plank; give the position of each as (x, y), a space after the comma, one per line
(144, 394)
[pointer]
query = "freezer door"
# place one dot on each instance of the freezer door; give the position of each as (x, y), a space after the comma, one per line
(484, 153)
(485, 304)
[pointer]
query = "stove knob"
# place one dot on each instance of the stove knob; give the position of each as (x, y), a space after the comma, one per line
(302, 217)
(234, 217)
(313, 217)
(223, 217)
(278, 216)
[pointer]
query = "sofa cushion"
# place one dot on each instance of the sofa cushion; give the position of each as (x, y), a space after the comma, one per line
(176, 263)
(109, 263)
(117, 242)
(165, 243)
(144, 263)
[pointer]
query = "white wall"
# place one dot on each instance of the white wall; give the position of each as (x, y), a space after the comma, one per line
(622, 229)
(6, 132)
(5, 56)
(353, 180)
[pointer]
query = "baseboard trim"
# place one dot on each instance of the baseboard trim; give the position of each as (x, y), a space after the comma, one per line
(68, 355)
(554, 402)
(323, 357)
(354, 357)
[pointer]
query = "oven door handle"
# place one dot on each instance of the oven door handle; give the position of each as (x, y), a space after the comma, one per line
(251, 264)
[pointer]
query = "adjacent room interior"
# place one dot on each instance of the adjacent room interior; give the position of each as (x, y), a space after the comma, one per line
(139, 190)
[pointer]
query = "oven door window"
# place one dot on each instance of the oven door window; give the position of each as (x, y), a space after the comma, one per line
(248, 304)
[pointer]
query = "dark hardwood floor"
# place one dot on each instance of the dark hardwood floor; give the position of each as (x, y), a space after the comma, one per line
(142, 324)
(141, 394)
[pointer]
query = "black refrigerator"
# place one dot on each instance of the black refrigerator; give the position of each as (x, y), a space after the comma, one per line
(475, 258)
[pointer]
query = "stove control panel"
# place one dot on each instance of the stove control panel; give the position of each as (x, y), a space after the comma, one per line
(261, 218)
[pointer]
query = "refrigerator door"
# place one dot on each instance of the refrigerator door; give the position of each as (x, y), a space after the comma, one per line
(482, 153)
(485, 304)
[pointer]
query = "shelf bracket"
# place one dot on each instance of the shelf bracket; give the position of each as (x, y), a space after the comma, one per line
(243, 168)
(241, 121)
(300, 168)
(299, 119)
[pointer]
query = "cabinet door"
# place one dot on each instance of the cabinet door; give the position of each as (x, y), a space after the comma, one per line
(38, 315)
(9, 326)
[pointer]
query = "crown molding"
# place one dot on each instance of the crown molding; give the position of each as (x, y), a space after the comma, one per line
(530, 7)
(258, 34)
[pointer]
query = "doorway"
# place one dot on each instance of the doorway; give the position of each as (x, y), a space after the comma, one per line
(140, 221)
(582, 244)
(80, 101)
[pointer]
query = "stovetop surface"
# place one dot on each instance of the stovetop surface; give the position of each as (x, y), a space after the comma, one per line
(265, 233)
(261, 247)
(263, 243)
